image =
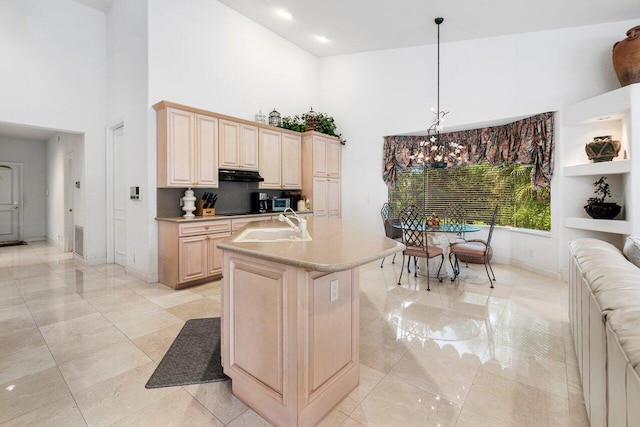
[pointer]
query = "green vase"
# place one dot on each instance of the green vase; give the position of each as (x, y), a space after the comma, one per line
(602, 149)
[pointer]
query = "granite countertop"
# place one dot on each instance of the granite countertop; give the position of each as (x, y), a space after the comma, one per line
(336, 245)
(219, 217)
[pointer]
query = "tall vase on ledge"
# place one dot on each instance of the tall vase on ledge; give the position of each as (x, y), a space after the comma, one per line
(189, 203)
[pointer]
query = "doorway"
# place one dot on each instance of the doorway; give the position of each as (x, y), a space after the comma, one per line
(11, 212)
(69, 185)
(117, 196)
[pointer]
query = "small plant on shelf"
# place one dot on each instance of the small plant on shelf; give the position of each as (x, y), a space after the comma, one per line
(597, 208)
(602, 190)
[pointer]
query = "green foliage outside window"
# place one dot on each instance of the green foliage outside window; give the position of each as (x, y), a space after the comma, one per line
(478, 188)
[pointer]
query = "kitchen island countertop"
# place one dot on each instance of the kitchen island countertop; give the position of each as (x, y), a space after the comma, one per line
(336, 245)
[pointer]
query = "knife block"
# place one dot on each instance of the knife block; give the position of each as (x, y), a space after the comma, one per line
(200, 211)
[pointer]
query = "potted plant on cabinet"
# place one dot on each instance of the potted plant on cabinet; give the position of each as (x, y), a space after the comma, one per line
(597, 208)
(320, 122)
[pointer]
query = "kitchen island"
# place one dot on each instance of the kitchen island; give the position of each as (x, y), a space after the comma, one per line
(290, 317)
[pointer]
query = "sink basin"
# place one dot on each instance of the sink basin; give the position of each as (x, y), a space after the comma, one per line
(271, 235)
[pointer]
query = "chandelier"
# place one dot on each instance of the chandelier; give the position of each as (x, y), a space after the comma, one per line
(435, 152)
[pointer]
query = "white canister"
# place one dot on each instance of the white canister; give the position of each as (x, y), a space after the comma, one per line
(302, 206)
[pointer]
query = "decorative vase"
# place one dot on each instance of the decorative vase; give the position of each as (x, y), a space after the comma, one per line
(602, 149)
(626, 57)
(603, 210)
(189, 203)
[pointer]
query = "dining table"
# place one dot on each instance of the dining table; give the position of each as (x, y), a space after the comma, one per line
(442, 236)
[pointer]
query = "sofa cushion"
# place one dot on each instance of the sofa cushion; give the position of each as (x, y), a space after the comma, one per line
(631, 250)
(624, 323)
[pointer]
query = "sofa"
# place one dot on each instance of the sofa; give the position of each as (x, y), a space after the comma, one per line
(604, 311)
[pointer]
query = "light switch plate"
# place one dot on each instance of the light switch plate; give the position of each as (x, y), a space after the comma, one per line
(334, 290)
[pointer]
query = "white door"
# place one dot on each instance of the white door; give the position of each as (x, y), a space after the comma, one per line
(119, 198)
(69, 186)
(10, 199)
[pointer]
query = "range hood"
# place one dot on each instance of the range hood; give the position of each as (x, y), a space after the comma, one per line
(239, 175)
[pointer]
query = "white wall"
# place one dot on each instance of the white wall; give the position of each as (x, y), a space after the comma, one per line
(391, 92)
(32, 155)
(57, 147)
(203, 54)
(128, 104)
(53, 75)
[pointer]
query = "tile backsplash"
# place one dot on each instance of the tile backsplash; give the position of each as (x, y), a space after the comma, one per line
(233, 197)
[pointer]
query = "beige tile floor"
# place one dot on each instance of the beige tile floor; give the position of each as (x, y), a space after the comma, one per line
(78, 343)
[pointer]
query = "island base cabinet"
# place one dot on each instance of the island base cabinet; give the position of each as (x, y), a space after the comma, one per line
(289, 338)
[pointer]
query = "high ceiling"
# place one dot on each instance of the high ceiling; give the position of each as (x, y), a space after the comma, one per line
(366, 25)
(352, 26)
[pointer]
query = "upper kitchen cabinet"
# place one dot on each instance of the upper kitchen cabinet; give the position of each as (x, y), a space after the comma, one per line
(280, 159)
(324, 152)
(238, 147)
(321, 173)
(187, 148)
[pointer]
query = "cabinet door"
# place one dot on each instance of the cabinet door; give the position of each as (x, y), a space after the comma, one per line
(333, 159)
(333, 198)
(206, 151)
(229, 146)
(180, 148)
(270, 158)
(319, 201)
(215, 254)
(192, 252)
(319, 156)
(249, 147)
(291, 161)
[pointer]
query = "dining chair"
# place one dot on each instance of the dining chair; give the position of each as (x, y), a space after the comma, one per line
(388, 219)
(475, 250)
(455, 218)
(415, 238)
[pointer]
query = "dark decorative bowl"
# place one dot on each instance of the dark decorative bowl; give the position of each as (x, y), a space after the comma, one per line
(603, 210)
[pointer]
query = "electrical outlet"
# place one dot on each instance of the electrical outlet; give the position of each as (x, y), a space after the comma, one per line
(530, 253)
(334, 290)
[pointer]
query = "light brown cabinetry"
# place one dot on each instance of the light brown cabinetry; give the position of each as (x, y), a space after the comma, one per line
(188, 252)
(238, 145)
(187, 149)
(304, 358)
(321, 165)
(279, 159)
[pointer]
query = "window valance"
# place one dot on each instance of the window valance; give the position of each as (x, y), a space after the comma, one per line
(527, 141)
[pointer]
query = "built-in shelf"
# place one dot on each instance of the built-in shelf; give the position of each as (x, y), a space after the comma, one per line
(602, 225)
(601, 168)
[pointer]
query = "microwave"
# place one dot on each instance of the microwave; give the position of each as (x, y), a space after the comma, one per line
(279, 204)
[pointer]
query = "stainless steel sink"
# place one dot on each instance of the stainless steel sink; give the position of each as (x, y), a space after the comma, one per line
(263, 235)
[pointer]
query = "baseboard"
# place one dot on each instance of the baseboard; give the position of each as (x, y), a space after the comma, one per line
(140, 275)
(35, 239)
(536, 269)
(57, 245)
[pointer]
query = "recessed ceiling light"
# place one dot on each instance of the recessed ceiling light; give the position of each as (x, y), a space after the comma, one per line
(284, 14)
(322, 39)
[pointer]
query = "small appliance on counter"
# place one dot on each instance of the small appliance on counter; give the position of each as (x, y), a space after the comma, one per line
(280, 204)
(260, 202)
(295, 197)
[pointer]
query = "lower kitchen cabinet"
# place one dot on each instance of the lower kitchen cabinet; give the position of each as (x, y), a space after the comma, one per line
(188, 252)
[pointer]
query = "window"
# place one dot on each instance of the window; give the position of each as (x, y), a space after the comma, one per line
(478, 188)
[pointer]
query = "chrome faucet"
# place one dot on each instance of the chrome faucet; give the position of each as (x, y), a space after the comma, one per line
(302, 223)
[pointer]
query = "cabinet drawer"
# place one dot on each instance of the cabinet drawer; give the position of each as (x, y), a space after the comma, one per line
(205, 227)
